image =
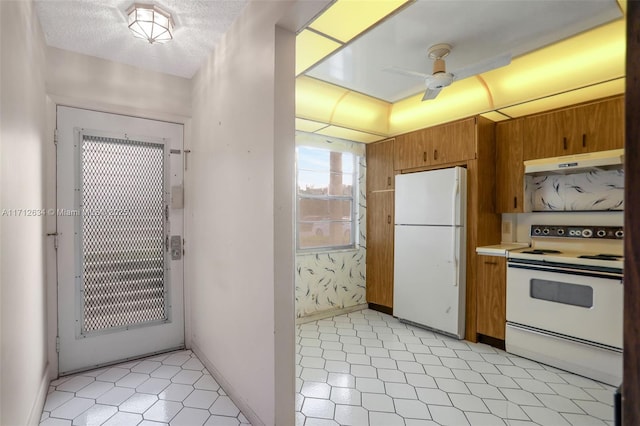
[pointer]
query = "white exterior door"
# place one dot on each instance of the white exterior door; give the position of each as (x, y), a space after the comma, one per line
(120, 269)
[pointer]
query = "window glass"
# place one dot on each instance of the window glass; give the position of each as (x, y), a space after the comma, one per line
(325, 186)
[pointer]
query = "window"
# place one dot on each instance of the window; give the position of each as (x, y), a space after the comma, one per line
(325, 182)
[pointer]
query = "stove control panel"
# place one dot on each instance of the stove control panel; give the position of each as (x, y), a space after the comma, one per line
(566, 231)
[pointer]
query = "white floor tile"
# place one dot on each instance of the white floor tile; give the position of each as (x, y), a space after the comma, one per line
(545, 416)
(95, 416)
(420, 380)
(448, 416)
(316, 390)
(320, 422)
(152, 423)
(346, 396)
(200, 399)
(452, 385)
(505, 409)
(412, 409)
(153, 386)
(363, 371)
(483, 419)
(146, 367)
(400, 390)
(187, 377)
(207, 382)
(112, 374)
(351, 415)
(176, 359)
(165, 371)
(559, 403)
(138, 403)
(468, 403)
(364, 384)
(56, 422)
(56, 399)
(341, 380)
(385, 419)
(222, 421)
(583, 420)
(190, 417)
(75, 384)
(72, 408)
(132, 380)
(94, 389)
(223, 406)
(392, 376)
(115, 396)
(321, 408)
(377, 402)
(597, 409)
(314, 374)
(163, 411)
(485, 391)
(176, 392)
(124, 419)
(433, 396)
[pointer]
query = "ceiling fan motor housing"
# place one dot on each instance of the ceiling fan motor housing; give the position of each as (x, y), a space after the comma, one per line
(439, 80)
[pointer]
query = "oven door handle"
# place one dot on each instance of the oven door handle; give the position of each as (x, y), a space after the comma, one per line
(568, 271)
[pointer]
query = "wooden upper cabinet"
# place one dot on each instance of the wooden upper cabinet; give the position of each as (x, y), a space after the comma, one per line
(603, 125)
(380, 172)
(592, 127)
(454, 142)
(509, 166)
(448, 143)
(411, 150)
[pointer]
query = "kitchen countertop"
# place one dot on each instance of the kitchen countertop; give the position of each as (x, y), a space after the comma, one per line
(499, 249)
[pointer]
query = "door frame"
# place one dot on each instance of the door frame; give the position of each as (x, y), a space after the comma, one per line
(50, 179)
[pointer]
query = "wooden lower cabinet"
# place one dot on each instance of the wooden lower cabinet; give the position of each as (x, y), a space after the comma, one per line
(491, 295)
(380, 225)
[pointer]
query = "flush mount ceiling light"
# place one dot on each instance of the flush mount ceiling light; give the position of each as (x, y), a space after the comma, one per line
(151, 23)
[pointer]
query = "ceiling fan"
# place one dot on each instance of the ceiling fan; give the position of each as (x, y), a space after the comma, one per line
(440, 78)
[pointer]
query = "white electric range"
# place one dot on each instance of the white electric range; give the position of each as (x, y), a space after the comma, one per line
(565, 300)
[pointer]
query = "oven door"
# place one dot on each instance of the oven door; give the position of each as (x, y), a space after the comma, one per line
(580, 304)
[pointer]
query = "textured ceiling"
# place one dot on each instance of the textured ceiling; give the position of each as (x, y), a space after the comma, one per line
(477, 30)
(99, 28)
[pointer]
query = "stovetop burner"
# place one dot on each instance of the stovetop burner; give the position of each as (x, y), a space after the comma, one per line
(602, 256)
(541, 251)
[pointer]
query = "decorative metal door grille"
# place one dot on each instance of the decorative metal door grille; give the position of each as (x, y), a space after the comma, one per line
(123, 231)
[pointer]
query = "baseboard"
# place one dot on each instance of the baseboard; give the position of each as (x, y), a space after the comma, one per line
(330, 313)
(228, 388)
(38, 404)
(380, 308)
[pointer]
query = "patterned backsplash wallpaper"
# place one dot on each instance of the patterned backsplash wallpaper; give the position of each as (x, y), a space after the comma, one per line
(328, 280)
(591, 191)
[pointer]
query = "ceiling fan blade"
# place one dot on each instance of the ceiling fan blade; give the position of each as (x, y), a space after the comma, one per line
(430, 94)
(405, 72)
(484, 66)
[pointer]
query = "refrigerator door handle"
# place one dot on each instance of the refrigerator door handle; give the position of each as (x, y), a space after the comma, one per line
(454, 245)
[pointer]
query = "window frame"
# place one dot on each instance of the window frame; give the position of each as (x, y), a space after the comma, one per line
(353, 198)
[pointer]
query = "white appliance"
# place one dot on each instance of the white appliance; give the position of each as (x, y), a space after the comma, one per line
(565, 298)
(429, 250)
(577, 163)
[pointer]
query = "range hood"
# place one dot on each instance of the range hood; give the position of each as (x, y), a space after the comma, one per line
(579, 163)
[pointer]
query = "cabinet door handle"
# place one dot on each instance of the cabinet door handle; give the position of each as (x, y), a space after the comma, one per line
(389, 219)
(564, 142)
(435, 154)
(515, 202)
(486, 262)
(424, 157)
(584, 140)
(389, 181)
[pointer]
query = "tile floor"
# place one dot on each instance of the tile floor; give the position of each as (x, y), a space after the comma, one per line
(367, 368)
(173, 388)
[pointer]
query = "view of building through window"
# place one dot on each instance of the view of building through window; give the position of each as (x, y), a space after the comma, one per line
(325, 198)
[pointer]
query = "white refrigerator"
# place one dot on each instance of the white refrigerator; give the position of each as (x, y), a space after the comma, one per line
(429, 252)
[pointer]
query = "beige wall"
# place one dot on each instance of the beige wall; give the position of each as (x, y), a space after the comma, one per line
(80, 80)
(240, 214)
(23, 360)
